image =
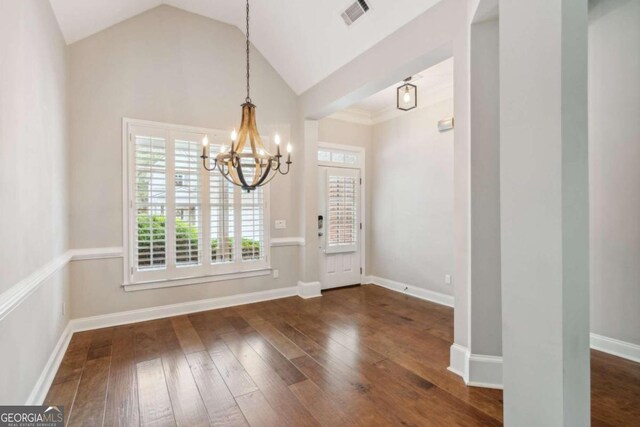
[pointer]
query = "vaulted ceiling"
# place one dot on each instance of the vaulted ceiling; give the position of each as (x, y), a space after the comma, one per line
(304, 40)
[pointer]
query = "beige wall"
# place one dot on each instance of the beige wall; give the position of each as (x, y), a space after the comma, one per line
(614, 168)
(485, 300)
(170, 66)
(33, 188)
(412, 203)
(33, 166)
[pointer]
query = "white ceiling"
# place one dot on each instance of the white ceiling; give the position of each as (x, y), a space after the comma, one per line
(434, 84)
(304, 40)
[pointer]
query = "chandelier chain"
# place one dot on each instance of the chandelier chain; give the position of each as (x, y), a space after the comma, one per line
(248, 98)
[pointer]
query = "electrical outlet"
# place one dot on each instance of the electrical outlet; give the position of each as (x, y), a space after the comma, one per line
(447, 279)
(276, 274)
(281, 224)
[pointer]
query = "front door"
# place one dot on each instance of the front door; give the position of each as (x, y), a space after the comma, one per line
(339, 226)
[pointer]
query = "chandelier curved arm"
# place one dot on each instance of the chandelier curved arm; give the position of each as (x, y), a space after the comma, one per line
(240, 173)
(225, 174)
(288, 163)
(204, 163)
(273, 175)
(264, 175)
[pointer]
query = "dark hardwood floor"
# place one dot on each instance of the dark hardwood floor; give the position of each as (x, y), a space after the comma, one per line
(357, 356)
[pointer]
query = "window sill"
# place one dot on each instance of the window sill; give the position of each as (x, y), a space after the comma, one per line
(158, 284)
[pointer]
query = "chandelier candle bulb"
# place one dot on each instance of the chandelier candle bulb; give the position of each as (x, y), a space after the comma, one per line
(277, 141)
(205, 142)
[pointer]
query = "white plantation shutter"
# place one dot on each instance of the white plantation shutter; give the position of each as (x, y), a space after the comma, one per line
(221, 201)
(253, 224)
(185, 222)
(151, 202)
(188, 235)
(342, 210)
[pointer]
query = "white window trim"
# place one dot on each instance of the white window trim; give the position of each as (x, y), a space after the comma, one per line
(361, 165)
(222, 272)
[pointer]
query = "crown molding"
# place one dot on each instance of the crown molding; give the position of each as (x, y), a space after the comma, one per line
(370, 118)
(353, 115)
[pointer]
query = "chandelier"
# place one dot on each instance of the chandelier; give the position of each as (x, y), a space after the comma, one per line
(247, 166)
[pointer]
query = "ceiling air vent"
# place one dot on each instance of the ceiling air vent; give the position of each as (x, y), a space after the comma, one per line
(355, 11)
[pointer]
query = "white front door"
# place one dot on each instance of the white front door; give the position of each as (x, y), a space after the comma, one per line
(339, 226)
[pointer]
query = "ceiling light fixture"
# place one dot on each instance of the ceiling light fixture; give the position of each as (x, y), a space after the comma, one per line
(407, 96)
(250, 166)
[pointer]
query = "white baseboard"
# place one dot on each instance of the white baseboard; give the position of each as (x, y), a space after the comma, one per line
(459, 361)
(412, 290)
(485, 371)
(309, 289)
(151, 313)
(45, 380)
(618, 348)
(476, 370)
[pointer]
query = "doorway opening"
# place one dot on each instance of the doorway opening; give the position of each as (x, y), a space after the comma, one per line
(341, 215)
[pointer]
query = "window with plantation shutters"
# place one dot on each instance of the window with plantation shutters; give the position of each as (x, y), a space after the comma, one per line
(184, 222)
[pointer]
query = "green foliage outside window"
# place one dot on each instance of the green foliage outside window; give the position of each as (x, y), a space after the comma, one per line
(151, 241)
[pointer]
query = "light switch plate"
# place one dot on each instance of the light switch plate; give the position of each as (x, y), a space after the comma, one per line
(281, 224)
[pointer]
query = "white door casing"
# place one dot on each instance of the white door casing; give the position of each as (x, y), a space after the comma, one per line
(340, 232)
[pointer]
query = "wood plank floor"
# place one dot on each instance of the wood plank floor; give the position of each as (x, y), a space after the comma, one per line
(362, 356)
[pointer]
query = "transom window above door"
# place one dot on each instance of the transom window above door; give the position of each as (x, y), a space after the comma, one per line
(181, 221)
(338, 157)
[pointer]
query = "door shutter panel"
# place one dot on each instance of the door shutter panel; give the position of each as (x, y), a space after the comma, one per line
(342, 211)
